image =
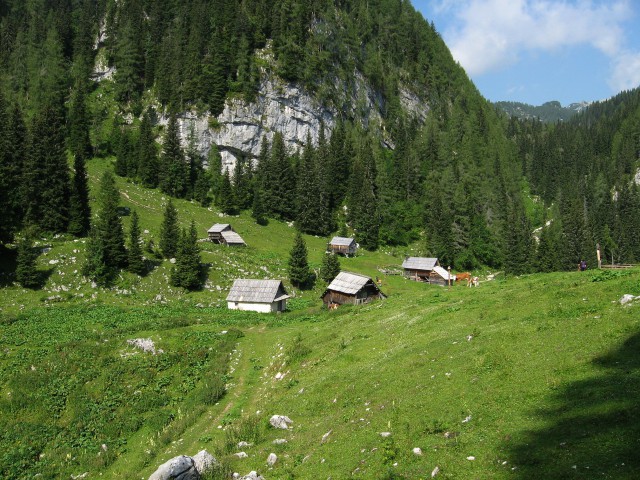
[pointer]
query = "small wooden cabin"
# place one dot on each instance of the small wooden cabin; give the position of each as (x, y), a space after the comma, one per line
(343, 246)
(257, 295)
(440, 276)
(351, 288)
(419, 268)
(224, 234)
(215, 232)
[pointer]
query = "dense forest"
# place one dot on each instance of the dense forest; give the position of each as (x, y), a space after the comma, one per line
(467, 185)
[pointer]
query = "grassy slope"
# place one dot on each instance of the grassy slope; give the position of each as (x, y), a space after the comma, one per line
(549, 377)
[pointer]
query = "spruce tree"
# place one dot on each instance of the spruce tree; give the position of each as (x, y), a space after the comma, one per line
(173, 172)
(106, 252)
(330, 267)
(257, 210)
(309, 218)
(226, 196)
(78, 122)
(187, 271)
(79, 210)
(147, 154)
(27, 273)
(134, 253)
(169, 231)
(299, 272)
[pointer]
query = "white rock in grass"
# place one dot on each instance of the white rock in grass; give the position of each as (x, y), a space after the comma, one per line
(280, 421)
(243, 444)
(471, 458)
(435, 472)
(417, 451)
(326, 436)
(204, 461)
(280, 441)
(253, 475)
(272, 459)
(181, 467)
(385, 434)
(241, 455)
(627, 298)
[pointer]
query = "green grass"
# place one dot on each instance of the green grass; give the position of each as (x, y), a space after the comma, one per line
(544, 367)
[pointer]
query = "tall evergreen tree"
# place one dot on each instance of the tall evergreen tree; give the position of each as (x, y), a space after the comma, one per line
(187, 272)
(79, 209)
(169, 231)
(226, 197)
(299, 272)
(78, 122)
(147, 154)
(330, 267)
(27, 273)
(173, 173)
(135, 260)
(106, 252)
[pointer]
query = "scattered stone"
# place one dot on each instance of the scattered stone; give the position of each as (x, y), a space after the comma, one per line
(178, 468)
(204, 461)
(172, 260)
(272, 459)
(325, 436)
(53, 262)
(467, 419)
(253, 475)
(280, 421)
(435, 472)
(385, 434)
(450, 434)
(280, 441)
(471, 458)
(82, 475)
(627, 298)
(243, 444)
(144, 344)
(417, 451)
(280, 376)
(241, 455)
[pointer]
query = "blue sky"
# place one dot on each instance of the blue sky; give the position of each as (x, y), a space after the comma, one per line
(534, 51)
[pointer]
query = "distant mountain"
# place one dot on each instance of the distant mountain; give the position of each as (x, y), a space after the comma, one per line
(549, 112)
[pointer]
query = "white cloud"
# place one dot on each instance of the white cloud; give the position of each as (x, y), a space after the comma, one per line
(626, 72)
(490, 34)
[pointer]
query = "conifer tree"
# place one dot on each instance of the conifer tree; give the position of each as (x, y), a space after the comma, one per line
(79, 210)
(226, 197)
(280, 181)
(257, 210)
(147, 154)
(27, 273)
(187, 271)
(309, 218)
(12, 146)
(173, 173)
(330, 267)
(169, 231)
(106, 251)
(78, 123)
(134, 253)
(299, 272)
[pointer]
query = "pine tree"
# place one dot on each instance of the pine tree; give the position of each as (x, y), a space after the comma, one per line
(299, 272)
(147, 154)
(226, 197)
(106, 252)
(330, 267)
(134, 253)
(78, 123)
(169, 231)
(257, 210)
(27, 273)
(79, 210)
(187, 271)
(173, 173)
(309, 218)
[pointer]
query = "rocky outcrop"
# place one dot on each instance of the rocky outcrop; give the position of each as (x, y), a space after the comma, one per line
(185, 468)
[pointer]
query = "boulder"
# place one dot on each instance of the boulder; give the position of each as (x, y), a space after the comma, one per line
(204, 461)
(178, 468)
(280, 421)
(272, 459)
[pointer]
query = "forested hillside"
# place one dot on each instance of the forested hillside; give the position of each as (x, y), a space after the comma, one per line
(96, 78)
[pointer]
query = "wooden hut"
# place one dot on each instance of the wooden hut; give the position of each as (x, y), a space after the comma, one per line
(223, 233)
(343, 245)
(419, 268)
(257, 295)
(440, 276)
(351, 288)
(215, 232)
(232, 239)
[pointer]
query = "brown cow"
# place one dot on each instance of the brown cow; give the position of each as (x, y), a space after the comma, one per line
(463, 276)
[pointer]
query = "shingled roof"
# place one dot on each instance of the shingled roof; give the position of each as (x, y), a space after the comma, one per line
(419, 263)
(342, 241)
(257, 291)
(218, 227)
(230, 236)
(444, 274)
(349, 283)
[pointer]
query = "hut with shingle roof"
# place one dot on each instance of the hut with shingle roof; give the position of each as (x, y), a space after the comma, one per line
(223, 233)
(343, 246)
(419, 268)
(351, 288)
(257, 295)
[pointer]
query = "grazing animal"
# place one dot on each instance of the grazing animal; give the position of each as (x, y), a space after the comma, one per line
(463, 276)
(475, 281)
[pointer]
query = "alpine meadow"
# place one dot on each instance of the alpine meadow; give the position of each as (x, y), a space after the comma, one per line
(278, 239)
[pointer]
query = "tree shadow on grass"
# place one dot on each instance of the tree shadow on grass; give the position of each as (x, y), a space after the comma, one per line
(8, 258)
(594, 424)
